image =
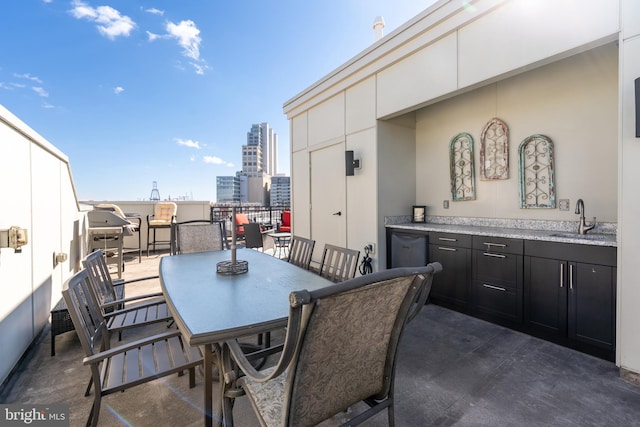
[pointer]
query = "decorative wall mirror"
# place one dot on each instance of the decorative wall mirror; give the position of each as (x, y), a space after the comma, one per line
(494, 151)
(463, 186)
(537, 187)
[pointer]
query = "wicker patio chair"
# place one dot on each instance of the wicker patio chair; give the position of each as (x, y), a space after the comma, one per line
(115, 369)
(338, 263)
(340, 349)
(125, 313)
(300, 251)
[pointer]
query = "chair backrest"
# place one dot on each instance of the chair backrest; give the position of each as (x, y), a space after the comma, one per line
(240, 221)
(285, 221)
(164, 212)
(347, 341)
(338, 263)
(86, 316)
(300, 251)
(98, 272)
(198, 236)
(253, 235)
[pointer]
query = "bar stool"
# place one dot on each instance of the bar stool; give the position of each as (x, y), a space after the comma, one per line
(164, 214)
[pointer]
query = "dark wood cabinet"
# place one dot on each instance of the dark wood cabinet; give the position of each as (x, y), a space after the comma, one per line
(561, 292)
(452, 286)
(497, 279)
(570, 295)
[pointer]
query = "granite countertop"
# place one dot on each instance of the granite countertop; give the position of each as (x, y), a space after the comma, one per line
(551, 231)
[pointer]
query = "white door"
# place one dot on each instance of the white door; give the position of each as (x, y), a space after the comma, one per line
(328, 198)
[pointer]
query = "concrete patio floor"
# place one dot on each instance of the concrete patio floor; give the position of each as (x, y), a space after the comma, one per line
(453, 370)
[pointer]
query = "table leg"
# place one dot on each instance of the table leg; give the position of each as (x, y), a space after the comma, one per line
(208, 385)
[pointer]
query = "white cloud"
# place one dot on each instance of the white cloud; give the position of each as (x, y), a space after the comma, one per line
(28, 77)
(110, 22)
(188, 143)
(153, 36)
(40, 91)
(155, 11)
(188, 37)
(118, 90)
(216, 161)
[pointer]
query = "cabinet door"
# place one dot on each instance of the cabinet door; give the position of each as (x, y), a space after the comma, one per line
(451, 286)
(592, 299)
(545, 300)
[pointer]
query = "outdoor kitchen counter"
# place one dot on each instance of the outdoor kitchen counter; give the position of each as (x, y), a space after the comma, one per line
(558, 234)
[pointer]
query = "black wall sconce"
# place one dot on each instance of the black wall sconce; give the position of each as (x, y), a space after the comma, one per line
(351, 163)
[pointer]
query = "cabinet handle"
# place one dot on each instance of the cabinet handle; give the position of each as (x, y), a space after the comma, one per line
(494, 255)
(562, 275)
(497, 245)
(570, 276)
(497, 288)
(447, 249)
(447, 239)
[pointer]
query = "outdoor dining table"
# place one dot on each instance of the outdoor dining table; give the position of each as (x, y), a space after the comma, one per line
(210, 308)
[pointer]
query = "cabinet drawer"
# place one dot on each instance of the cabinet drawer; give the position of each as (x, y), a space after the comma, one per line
(497, 301)
(503, 269)
(500, 245)
(450, 239)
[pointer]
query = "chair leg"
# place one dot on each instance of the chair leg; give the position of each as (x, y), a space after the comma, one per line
(95, 411)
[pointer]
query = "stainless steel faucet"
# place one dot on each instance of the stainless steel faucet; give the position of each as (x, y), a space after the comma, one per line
(583, 227)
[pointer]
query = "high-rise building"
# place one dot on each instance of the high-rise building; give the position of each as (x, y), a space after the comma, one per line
(259, 165)
(262, 135)
(280, 194)
(227, 189)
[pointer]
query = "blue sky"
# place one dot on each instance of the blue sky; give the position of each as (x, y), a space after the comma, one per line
(166, 90)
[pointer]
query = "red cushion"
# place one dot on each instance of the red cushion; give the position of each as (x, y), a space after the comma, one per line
(241, 219)
(286, 218)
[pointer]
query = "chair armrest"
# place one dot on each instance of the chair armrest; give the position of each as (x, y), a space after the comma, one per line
(98, 357)
(145, 300)
(232, 352)
(139, 279)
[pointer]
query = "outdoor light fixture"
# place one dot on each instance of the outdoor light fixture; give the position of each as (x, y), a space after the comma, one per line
(351, 163)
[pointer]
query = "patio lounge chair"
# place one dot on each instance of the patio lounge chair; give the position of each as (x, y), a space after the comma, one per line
(340, 349)
(115, 369)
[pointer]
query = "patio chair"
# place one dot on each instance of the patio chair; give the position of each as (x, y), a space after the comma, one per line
(338, 263)
(241, 220)
(115, 369)
(340, 349)
(285, 222)
(164, 214)
(123, 313)
(300, 251)
(198, 236)
(253, 236)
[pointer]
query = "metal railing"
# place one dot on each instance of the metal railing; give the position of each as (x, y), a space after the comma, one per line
(270, 217)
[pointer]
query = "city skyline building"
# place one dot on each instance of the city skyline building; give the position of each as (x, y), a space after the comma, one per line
(253, 184)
